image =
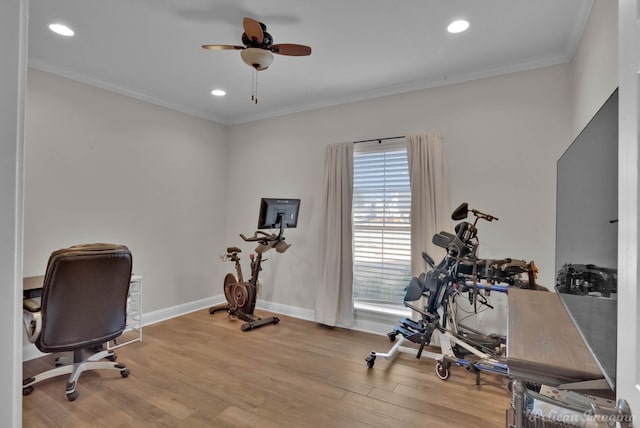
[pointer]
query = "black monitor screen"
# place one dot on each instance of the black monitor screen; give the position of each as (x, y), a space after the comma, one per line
(278, 213)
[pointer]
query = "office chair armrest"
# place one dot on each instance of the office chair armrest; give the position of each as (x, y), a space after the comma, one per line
(32, 319)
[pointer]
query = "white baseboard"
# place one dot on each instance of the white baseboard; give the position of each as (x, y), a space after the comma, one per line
(30, 352)
(159, 315)
(372, 327)
(292, 311)
(380, 325)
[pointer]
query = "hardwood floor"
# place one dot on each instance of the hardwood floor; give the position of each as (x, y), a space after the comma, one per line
(200, 370)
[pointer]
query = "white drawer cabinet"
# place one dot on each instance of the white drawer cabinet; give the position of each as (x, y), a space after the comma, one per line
(133, 330)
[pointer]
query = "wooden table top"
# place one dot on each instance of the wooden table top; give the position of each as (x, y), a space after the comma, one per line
(543, 343)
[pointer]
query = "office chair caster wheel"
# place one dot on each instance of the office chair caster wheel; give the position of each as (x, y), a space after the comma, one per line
(371, 359)
(442, 371)
(125, 373)
(392, 336)
(111, 357)
(26, 391)
(71, 396)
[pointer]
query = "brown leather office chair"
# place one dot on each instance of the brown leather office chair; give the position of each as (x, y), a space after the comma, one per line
(83, 306)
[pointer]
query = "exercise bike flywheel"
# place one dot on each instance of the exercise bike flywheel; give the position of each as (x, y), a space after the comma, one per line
(229, 281)
(240, 294)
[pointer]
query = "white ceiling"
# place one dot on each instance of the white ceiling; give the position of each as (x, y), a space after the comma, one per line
(362, 49)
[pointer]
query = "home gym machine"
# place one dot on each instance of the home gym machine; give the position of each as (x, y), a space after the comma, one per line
(460, 272)
(241, 295)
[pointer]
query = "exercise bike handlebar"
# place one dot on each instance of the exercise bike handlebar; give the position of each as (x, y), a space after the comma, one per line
(267, 241)
(265, 237)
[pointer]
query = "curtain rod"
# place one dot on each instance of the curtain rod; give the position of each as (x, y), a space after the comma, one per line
(379, 140)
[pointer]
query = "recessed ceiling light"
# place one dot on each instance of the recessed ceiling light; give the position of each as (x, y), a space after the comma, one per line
(61, 29)
(458, 26)
(218, 93)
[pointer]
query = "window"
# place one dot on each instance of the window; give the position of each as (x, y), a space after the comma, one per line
(381, 225)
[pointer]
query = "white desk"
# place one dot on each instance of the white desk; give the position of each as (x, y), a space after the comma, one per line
(134, 315)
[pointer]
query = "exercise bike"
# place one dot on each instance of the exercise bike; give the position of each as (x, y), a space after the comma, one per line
(460, 272)
(240, 294)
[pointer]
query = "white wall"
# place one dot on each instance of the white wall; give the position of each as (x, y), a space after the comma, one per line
(594, 68)
(103, 167)
(13, 40)
(503, 136)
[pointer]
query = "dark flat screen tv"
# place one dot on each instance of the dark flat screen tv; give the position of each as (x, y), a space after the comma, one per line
(587, 234)
(278, 213)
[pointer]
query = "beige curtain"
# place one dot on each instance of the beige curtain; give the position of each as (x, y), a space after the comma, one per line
(334, 294)
(430, 204)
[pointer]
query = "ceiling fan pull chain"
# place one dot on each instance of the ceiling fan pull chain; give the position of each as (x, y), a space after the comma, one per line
(253, 84)
(256, 73)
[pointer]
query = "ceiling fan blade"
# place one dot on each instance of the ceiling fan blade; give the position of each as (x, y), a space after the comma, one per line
(291, 49)
(222, 47)
(253, 30)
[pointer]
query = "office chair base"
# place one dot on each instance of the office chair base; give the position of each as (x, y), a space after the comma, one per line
(75, 369)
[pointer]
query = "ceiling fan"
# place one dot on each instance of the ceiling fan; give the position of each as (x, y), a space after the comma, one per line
(258, 46)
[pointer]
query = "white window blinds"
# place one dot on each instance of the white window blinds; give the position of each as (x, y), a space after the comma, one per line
(381, 223)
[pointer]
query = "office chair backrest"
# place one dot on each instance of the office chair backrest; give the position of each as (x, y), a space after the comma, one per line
(84, 296)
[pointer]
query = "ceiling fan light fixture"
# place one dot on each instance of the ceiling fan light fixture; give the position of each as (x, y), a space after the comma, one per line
(61, 29)
(257, 58)
(458, 26)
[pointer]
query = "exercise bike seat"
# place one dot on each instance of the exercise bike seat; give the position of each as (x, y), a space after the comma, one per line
(233, 250)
